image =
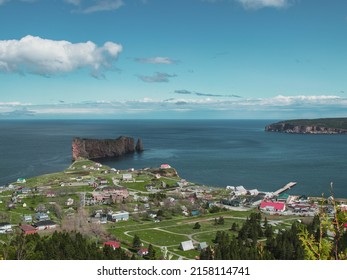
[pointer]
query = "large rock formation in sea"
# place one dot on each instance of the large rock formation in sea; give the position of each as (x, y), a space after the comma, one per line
(314, 126)
(103, 148)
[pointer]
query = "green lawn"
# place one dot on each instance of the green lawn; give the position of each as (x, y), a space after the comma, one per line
(160, 238)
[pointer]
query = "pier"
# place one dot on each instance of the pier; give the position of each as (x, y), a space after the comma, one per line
(285, 188)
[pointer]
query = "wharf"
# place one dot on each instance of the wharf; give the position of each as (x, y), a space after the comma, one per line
(285, 188)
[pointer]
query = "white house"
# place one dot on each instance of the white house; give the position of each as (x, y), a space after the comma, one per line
(118, 216)
(5, 227)
(187, 245)
(127, 177)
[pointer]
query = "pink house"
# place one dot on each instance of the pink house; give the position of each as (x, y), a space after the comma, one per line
(165, 166)
(272, 206)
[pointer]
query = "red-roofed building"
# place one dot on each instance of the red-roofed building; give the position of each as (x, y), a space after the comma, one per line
(271, 206)
(165, 166)
(113, 244)
(143, 252)
(28, 229)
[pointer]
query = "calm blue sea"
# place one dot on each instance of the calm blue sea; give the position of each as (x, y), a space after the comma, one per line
(212, 152)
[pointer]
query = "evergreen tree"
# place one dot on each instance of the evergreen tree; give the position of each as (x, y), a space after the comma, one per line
(136, 242)
(151, 252)
(197, 225)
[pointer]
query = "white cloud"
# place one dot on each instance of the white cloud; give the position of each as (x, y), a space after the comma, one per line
(4, 1)
(93, 6)
(48, 57)
(73, 2)
(258, 4)
(158, 77)
(156, 60)
(14, 103)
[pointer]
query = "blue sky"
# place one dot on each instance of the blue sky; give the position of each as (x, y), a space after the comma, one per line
(173, 59)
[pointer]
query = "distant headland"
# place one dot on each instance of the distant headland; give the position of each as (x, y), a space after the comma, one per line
(310, 126)
(104, 148)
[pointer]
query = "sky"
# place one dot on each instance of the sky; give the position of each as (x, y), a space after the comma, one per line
(173, 59)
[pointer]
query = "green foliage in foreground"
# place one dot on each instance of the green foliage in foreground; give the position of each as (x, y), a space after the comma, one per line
(257, 242)
(59, 246)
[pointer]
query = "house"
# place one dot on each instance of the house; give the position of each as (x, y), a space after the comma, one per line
(284, 197)
(127, 177)
(5, 227)
(118, 216)
(270, 206)
(142, 252)
(69, 202)
(44, 225)
(21, 180)
(23, 190)
(202, 246)
(113, 244)
(195, 213)
(98, 196)
(27, 218)
(40, 216)
(253, 192)
(165, 166)
(99, 218)
(103, 182)
(28, 229)
(50, 194)
(187, 245)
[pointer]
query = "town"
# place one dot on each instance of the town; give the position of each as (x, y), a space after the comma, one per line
(177, 217)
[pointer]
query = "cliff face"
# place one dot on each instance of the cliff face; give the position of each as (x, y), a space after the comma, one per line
(102, 148)
(303, 129)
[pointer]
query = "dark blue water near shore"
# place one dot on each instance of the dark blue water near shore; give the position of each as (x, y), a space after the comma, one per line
(212, 152)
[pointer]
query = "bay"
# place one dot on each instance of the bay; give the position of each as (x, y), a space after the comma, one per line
(210, 152)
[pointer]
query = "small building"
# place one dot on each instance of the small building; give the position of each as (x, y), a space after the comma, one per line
(113, 244)
(284, 197)
(195, 212)
(165, 166)
(45, 225)
(40, 216)
(127, 177)
(103, 182)
(21, 180)
(28, 229)
(5, 227)
(202, 246)
(50, 194)
(187, 245)
(253, 192)
(118, 216)
(142, 252)
(69, 202)
(27, 218)
(270, 206)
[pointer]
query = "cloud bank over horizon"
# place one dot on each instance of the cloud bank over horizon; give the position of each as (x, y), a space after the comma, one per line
(35, 55)
(280, 106)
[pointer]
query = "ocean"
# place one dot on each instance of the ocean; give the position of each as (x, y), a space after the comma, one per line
(210, 152)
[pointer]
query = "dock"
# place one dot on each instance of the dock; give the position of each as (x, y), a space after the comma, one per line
(285, 188)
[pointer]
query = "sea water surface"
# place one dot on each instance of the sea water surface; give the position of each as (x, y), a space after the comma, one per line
(210, 152)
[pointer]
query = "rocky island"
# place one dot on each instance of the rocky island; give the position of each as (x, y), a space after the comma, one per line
(310, 126)
(103, 148)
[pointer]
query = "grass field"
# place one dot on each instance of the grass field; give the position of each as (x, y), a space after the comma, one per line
(171, 233)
